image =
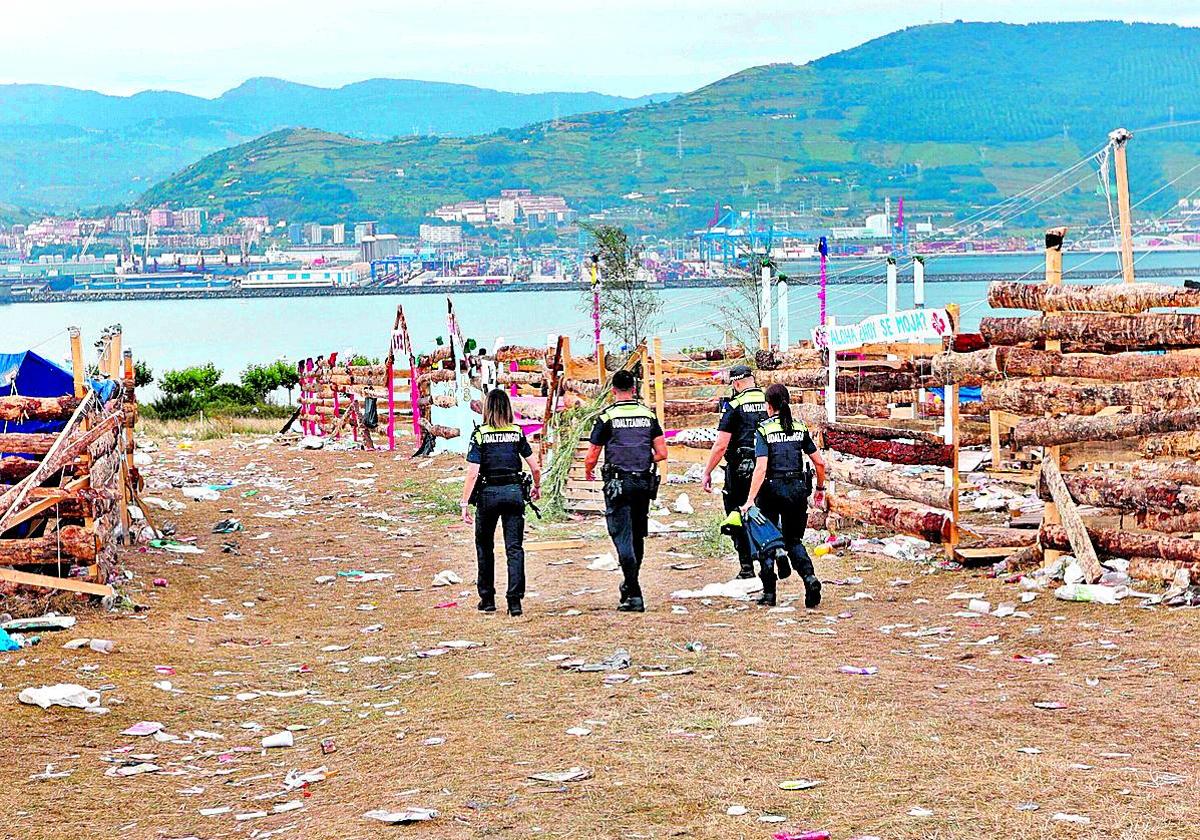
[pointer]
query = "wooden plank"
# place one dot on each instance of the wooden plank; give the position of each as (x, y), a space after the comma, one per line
(555, 545)
(1072, 522)
(50, 582)
(986, 552)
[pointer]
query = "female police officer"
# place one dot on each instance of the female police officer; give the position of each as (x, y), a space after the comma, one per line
(494, 468)
(780, 490)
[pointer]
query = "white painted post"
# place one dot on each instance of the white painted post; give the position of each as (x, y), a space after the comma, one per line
(765, 304)
(892, 291)
(918, 282)
(831, 386)
(784, 338)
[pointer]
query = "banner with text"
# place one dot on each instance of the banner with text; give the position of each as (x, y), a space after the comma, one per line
(909, 325)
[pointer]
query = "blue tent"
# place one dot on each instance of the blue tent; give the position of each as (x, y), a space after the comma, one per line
(29, 375)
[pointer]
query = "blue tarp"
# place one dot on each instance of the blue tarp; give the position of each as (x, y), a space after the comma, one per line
(29, 375)
(966, 393)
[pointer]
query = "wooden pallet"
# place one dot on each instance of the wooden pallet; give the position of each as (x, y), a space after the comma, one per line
(583, 496)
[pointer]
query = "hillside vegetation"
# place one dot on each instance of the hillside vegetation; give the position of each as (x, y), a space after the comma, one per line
(949, 115)
(62, 148)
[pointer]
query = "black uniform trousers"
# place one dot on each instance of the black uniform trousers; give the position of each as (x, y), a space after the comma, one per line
(626, 516)
(503, 504)
(784, 501)
(737, 489)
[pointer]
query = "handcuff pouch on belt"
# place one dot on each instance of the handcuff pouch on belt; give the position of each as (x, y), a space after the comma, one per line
(617, 482)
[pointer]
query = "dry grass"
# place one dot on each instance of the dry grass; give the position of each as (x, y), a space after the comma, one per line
(208, 428)
(939, 727)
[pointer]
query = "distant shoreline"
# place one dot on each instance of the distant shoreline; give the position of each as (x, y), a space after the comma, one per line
(551, 286)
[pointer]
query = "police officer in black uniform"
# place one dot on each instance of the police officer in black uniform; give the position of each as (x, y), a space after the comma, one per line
(633, 442)
(499, 490)
(735, 440)
(780, 489)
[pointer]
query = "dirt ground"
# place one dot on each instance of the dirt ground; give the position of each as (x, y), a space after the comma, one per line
(944, 741)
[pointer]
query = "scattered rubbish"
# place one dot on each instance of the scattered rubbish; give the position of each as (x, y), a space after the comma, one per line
(683, 505)
(820, 834)
(447, 577)
(1094, 593)
(799, 784)
(603, 563)
(579, 731)
(862, 671)
(408, 815)
(63, 694)
(1052, 705)
(920, 812)
(747, 721)
(143, 728)
(279, 739)
(739, 589)
(573, 774)
(227, 526)
(328, 746)
(618, 661)
(201, 494)
(40, 624)
(7, 642)
(1071, 818)
(737, 810)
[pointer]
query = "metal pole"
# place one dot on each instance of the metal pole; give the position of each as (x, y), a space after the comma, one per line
(784, 337)
(596, 299)
(892, 291)
(764, 311)
(918, 282)
(831, 386)
(823, 248)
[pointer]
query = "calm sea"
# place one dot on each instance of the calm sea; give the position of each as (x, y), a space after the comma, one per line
(232, 333)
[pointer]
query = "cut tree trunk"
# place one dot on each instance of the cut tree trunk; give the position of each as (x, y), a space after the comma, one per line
(73, 541)
(13, 469)
(444, 432)
(37, 408)
(886, 432)
(1182, 472)
(1055, 431)
(983, 536)
(1124, 297)
(1072, 522)
(876, 382)
(1036, 398)
(1170, 523)
(1011, 362)
(1128, 544)
(888, 481)
(516, 353)
(791, 359)
(854, 443)
(1147, 568)
(1123, 332)
(1128, 494)
(26, 444)
(932, 525)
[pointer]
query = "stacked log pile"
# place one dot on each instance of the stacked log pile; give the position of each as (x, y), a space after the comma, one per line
(65, 497)
(1097, 379)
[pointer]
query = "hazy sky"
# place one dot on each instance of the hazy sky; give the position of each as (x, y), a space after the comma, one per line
(615, 46)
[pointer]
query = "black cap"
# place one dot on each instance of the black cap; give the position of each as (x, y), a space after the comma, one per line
(739, 372)
(623, 380)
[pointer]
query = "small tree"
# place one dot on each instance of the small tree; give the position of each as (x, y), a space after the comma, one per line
(143, 375)
(288, 376)
(628, 308)
(740, 312)
(190, 381)
(260, 380)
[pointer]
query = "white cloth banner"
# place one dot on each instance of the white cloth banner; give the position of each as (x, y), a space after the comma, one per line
(909, 325)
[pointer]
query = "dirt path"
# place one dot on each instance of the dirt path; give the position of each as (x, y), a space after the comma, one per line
(252, 643)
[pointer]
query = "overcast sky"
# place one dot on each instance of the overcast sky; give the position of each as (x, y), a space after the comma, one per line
(615, 46)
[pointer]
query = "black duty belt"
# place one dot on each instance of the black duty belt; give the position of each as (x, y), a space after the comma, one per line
(500, 479)
(786, 474)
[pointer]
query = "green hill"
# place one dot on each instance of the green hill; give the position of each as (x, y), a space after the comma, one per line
(61, 148)
(949, 115)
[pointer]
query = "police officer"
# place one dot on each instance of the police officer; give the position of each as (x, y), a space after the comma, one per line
(780, 489)
(497, 487)
(735, 441)
(633, 442)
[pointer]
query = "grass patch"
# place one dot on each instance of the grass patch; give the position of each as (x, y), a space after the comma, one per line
(203, 427)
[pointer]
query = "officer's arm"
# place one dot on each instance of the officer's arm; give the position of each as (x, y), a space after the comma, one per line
(660, 448)
(719, 447)
(535, 469)
(756, 481)
(469, 484)
(819, 463)
(590, 461)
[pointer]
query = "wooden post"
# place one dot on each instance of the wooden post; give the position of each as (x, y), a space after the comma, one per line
(764, 320)
(556, 364)
(644, 355)
(783, 335)
(125, 442)
(114, 357)
(950, 436)
(601, 371)
(77, 370)
(1053, 454)
(659, 400)
(1119, 138)
(391, 379)
(831, 386)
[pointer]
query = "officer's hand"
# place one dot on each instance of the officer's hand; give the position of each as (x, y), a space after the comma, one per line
(746, 508)
(589, 475)
(820, 500)
(466, 516)
(535, 493)
(707, 483)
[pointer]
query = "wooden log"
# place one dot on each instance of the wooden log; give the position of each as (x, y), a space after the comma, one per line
(1168, 522)
(1072, 522)
(797, 358)
(1181, 472)
(516, 353)
(1124, 298)
(1011, 362)
(932, 525)
(520, 378)
(1162, 571)
(1029, 397)
(67, 584)
(1054, 431)
(896, 452)
(1176, 445)
(985, 536)
(13, 469)
(1128, 494)
(848, 383)
(888, 481)
(1112, 331)
(17, 408)
(377, 380)
(444, 432)
(1114, 542)
(885, 432)
(435, 376)
(73, 541)
(26, 443)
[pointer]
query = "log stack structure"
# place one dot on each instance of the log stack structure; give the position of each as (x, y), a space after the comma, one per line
(65, 497)
(1109, 392)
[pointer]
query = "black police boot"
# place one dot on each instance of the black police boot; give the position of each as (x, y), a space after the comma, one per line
(487, 605)
(812, 591)
(514, 606)
(783, 566)
(632, 604)
(767, 599)
(747, 570)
